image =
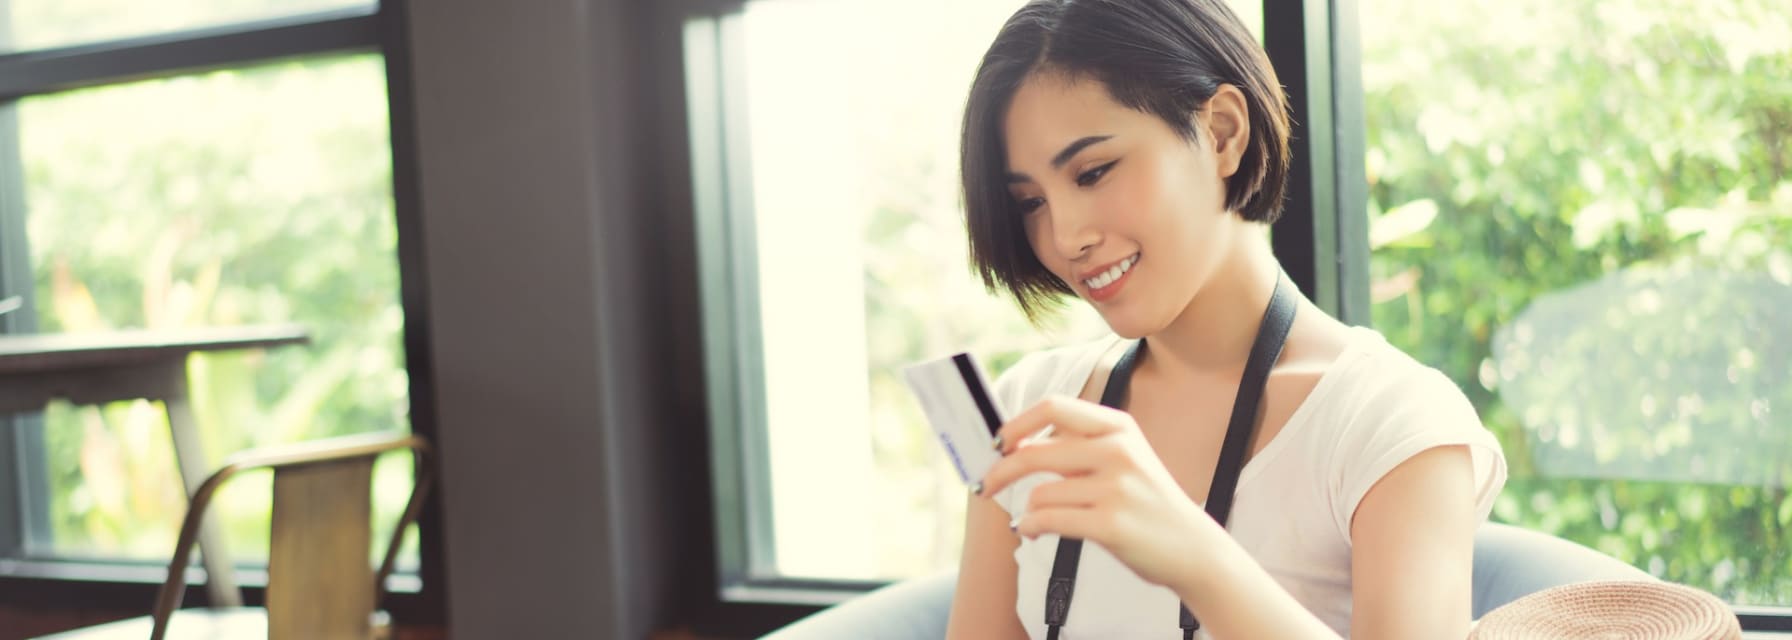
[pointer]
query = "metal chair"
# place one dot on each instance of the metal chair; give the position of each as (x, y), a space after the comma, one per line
(320, 584)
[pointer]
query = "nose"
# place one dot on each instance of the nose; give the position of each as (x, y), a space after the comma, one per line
(1074, 232)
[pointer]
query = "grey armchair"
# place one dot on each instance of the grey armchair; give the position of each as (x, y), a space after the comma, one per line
(1510, 563)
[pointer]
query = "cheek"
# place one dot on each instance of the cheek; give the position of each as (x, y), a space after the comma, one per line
(1143, 200)
(1174, 198)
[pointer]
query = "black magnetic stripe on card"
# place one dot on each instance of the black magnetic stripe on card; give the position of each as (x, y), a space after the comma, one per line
(972, 382)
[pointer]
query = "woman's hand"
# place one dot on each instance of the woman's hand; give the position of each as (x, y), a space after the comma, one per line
(1114, 490)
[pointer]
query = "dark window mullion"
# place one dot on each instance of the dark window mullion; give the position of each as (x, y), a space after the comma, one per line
(1765, 618)
(15, 262)
(413, 293)
(728, 258)
(749, 335)
(24, 513)
(1322, 238)
(1349, 174)
(185, 52)
(703, 86)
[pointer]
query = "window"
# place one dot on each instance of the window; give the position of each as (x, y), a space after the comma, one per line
(235, 197)
(834, 253)
(253, 187)
(42, 24)
(1591, 232)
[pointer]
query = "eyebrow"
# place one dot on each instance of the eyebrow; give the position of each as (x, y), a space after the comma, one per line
(1063, 157)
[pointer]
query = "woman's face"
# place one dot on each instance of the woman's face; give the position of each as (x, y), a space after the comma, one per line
(1118, 205)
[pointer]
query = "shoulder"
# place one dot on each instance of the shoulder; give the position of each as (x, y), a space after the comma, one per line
(1387, 384)
(1057, 371)
(1391, 407)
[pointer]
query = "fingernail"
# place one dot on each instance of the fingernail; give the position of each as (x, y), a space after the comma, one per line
(998, 443)
(977, 488)
(1014, 528)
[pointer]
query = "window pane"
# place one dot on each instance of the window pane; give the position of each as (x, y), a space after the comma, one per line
(1591, 231)
(39, 24)
(861, 261)
(235, 197)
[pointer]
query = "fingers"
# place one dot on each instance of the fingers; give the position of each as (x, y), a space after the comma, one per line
(1079, 492)
(1096, 524)
(1066, 416)
(1065, 457)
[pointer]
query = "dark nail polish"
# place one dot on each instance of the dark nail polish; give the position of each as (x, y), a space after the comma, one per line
(977, 488)
(998, 443)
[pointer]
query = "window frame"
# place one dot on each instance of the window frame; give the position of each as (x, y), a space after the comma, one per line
(124, 586)
(1322, 238)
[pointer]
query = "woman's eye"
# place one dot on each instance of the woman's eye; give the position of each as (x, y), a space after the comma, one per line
(1029, 205)
(1093, 176)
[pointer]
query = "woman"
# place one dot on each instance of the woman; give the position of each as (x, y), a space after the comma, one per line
(1131, 153)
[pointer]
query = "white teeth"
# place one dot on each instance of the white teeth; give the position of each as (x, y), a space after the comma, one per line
(1108, 277)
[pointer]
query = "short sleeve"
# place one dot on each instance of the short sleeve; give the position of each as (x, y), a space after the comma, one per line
(1417, 411)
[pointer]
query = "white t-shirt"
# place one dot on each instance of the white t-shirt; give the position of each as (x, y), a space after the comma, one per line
(1372, 409)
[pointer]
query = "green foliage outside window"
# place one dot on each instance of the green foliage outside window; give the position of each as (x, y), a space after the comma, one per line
(235, 197)
(1620, 170)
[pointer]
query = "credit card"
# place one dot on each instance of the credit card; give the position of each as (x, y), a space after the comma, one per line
(954, 395)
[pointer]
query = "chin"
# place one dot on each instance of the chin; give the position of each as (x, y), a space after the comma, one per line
(1129, 325)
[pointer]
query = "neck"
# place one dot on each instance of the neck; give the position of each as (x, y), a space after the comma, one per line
(1214, 334)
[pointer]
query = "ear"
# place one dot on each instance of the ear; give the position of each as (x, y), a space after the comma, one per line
(1228, 123)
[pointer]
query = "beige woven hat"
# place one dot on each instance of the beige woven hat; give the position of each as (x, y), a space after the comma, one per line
(1612, 610)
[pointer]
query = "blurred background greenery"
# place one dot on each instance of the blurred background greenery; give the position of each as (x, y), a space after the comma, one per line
(1620, 169)
(258, 195)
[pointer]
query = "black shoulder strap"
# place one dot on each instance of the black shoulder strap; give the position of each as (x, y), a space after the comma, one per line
(1265, 351)
(1070, 550)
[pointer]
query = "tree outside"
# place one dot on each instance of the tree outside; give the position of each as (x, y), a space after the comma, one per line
(1582, 213)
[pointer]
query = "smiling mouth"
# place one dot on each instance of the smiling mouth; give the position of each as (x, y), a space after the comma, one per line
(1113, 273)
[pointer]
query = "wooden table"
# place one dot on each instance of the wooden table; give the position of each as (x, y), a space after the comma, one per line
(96, 368)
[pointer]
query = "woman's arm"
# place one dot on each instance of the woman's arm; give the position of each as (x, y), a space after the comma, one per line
(1237, 598)
(1413, 549)
(983, 603)
(1412, 553)
(1413, 530)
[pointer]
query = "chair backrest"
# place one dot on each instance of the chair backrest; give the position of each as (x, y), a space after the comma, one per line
(320, 584)
(1512, 562)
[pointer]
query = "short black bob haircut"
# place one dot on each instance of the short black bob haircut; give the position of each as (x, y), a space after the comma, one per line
(1161, 57)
